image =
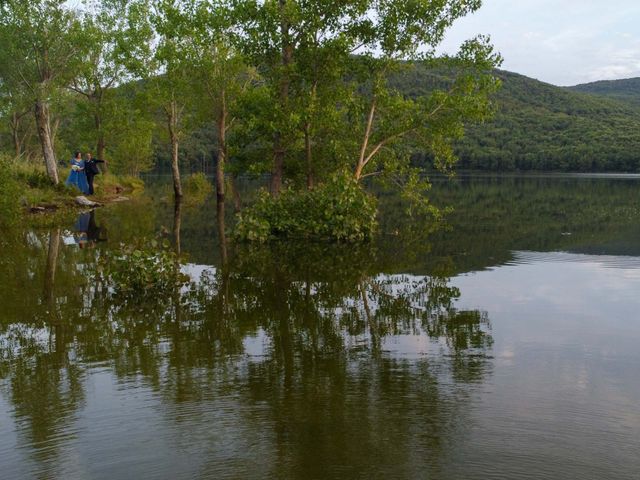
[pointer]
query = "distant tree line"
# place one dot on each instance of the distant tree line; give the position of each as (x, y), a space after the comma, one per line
(541, 127)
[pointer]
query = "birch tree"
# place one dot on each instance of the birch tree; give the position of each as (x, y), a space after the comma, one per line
(220, 73)
(116, 39)
(168, 74)
(40, 45)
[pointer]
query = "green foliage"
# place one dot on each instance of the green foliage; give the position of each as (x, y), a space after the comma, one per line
(626, 90)
(197, 187)
(24, 184)
(542, 127)
(136, 272)
(338, 209)
(131, 183)
(337, 110)
(132, 152)
(112, 183)
(27, 173)
(10, 188)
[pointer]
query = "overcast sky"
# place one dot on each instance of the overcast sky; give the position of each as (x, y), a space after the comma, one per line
(564, 42)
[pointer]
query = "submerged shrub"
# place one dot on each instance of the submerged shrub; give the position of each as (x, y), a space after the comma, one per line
(134, 272)
(338, 209)
(197, 187)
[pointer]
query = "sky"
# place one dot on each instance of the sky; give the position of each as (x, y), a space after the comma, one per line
(563, 42)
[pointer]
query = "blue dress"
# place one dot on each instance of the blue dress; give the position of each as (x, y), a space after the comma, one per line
(78, 177)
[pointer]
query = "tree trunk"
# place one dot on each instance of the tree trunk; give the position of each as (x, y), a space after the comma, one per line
(14, 123)
(307, 148)
(237, 201)
(100, 142)
(279, 150)
(173, 135)
(222, 148)
(223, 290)
(277, 171)
(222, 237)
(46, 141)
(177, 222)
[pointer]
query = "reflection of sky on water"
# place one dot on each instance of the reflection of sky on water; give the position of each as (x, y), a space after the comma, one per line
(196, 271)
(566, 379)
(563, 384)
(257, 345)
(576, 294)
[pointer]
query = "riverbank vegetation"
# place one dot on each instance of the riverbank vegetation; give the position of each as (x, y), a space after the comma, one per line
(297, 90)
(26, 187)
(294, 90)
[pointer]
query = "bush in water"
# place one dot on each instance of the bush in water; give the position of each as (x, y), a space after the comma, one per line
(197, 187)
(338, 209)
(135, 272)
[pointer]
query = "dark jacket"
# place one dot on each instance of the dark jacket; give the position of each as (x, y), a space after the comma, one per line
(91, 166)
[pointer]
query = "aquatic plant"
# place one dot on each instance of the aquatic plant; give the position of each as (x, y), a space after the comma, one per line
(142, 272)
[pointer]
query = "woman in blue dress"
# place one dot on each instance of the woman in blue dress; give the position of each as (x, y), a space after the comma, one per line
(77, 176)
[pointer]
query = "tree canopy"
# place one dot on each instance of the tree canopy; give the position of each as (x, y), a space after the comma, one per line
(300, 89)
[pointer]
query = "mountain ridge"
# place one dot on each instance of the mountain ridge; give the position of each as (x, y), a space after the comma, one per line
(623, 89)
(543, 127)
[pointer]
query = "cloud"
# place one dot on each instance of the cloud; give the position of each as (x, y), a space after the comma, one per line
(564, 42)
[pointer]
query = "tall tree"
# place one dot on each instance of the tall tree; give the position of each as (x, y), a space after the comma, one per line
(40, 42)
(168, 73)
(395, 36)
(274, 34)
(220, 71)
(115, 38)
(334, 60)
(14, 109)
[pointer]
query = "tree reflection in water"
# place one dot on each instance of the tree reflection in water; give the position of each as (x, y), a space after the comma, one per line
(308, 340)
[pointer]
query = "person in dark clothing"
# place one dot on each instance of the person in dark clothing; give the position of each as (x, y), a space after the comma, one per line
(94, 232)
(91, 169)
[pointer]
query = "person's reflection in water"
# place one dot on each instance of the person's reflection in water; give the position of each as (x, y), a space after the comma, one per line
(87, 232)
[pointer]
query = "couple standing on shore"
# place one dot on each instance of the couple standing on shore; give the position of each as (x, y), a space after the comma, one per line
(83, 172)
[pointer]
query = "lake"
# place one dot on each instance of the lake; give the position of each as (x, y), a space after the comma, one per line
(501, 345)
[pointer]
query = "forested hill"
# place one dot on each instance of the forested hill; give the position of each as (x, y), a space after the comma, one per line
(626, 90)
(539, 126)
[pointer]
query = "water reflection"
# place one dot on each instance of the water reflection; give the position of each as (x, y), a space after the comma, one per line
(427, 354)
(308, 348)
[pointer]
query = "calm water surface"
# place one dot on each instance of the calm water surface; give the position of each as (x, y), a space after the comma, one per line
(503, 346)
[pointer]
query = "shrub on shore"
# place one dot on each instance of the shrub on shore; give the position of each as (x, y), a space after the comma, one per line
(109, 183)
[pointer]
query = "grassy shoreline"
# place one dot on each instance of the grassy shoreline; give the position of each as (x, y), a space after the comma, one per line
(26, 190)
